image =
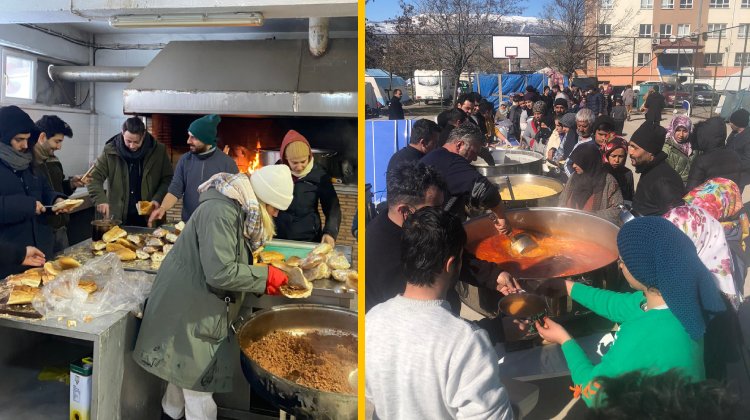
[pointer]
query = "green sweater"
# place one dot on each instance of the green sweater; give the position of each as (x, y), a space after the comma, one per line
(652, 340)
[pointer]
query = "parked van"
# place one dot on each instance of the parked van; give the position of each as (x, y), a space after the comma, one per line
(432, 86)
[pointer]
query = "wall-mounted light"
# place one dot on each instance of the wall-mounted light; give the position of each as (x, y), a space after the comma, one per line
(180, 20)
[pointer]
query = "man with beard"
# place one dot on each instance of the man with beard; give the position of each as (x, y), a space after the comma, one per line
(561, 107)
(194, 168)
(584, 129)
(660, 187)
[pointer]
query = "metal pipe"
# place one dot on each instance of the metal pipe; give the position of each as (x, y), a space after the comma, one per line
(318, 36)
(744, 60)
(93, 73)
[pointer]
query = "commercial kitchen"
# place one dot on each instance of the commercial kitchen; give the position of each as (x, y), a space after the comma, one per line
(267, 69)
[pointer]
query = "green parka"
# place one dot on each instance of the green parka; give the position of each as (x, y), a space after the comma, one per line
(184, 335)
(679, 161)
(157, 174)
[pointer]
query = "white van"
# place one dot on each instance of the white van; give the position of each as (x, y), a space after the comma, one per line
(432, 86)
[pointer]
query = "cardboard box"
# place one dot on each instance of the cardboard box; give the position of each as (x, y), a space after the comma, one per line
(80, 389)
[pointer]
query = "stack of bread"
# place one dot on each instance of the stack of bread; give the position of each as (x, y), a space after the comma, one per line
(27, 285)
(129, 247)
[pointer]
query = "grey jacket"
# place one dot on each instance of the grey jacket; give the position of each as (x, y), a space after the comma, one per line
(192, 170)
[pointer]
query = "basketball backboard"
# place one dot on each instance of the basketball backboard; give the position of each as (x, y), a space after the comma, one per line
(510, 46)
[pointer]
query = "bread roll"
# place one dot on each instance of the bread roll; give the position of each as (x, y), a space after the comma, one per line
(114, 234)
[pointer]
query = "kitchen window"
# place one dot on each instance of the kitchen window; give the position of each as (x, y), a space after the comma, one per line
(19, 77)
(603, 59)
(718, 4)
(742, 31)
(665, 30)
(717, 30)
(667, 4)
(713, 59)
(688, 4)
(644, 59)
(647, 4)
(742, 59)
(745, 4)
(683, 30)
(605, 30)
(645, 30)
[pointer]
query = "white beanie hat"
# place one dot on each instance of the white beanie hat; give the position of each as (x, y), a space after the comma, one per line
(273, 185)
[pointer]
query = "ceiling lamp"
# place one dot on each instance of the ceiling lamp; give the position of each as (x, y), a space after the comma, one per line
(185, 20)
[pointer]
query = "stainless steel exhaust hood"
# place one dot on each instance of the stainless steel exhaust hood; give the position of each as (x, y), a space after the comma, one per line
(272, 77)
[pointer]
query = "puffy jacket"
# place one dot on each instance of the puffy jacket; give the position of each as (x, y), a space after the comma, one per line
(301, 221)
(679, 161)
(659, 188)
(716, 160)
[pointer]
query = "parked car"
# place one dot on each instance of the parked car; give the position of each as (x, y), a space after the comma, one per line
(672, 95)
(703, 94)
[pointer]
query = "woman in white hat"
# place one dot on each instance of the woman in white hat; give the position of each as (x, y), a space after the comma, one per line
(185, 337)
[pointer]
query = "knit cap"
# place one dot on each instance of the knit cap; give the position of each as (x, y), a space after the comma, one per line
(273, 185)
(539, 106)
(660, 255)
(294, 146)
(740, 118)
(568, 120)
(649, 137)
(204, 128)
(13, 121)
(561, 101)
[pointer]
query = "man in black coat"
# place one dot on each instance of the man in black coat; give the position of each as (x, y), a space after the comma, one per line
(654, 105)
(410, 187)
(739, 141)
(425, 135)
(660, 188)
(716, 160)
(395, 108)
(514, 115)
(12, 255)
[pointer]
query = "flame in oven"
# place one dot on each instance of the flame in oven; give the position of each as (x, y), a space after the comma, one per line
(255, 163)
(247, 160)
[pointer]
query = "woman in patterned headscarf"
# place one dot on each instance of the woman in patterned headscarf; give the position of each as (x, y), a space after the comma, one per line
(615, 153)
(677, 146)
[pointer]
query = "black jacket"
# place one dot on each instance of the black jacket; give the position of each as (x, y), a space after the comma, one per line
(654, 105)
(740, 143)
(385, 276)
(716, 160)
(52, 170)
(407, 154)
(395, 109)
(659, 189)
(514, 115)
(11, 255)
(301, 221)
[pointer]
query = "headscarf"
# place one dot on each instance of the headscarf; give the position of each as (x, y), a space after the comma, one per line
(659, 255)
(592, 180)
(708, 236)
(722, 199)
(618, 173)
(680, 121)
(237, 187)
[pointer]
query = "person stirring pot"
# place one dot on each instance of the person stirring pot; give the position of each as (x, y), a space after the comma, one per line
(312, 185)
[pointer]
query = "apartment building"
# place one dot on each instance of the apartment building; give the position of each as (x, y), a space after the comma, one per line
(644, 40)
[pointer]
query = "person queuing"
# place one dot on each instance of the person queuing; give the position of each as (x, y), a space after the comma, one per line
(395, 107)
(662, 324)
(680, 154)
(604, 131)
(584, 134)
(137, 168)
(514, 115)
(14, 255)
(627, 99)
(207, 271)
(653, 105)
(453, 118)
(24, 190)
(560, 107)
(619, 114)
(425, 136)
(312, 187)
(660, 188)
(204, 161)
(422, 360)
(411, 186)
(595, 102)
(568, 137)
(466, 186)
(615, 155)
(591, 187)
(739, 141)
(539, 110)
(715, 159)
(52, 132)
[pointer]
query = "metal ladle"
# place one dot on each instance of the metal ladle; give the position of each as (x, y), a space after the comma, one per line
(520, 242)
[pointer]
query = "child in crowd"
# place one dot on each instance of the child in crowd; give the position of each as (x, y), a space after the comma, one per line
(619, 114)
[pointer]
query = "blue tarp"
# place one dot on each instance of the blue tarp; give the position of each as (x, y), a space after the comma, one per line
(383, 139)
(486, 84)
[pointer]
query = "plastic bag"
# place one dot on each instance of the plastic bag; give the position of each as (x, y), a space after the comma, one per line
(116, 290)
(338, 261)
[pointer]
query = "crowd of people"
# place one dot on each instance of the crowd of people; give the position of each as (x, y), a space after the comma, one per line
(685, 253)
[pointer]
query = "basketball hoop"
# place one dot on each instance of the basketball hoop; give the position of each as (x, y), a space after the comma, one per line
(511, 53)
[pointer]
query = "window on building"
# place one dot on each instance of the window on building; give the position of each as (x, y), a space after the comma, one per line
(688, 4)
(741, 59)
(745, 4)
(644, 59)
(667, 4)
(647, 4)
(713, 59)
(683, 30)
(608, 4)
(20, 76)
(742, 31)
(603, 59)
(645, 30)
(717, 30)
(718, 4)
(605, 29)
(665, 30)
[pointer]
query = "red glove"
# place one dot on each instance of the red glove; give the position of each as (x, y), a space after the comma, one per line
(276, 279)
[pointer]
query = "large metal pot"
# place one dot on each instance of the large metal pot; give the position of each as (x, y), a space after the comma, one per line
(271, 156)
(286, 395)
(552, 221)
(528, 179)
(511, 161)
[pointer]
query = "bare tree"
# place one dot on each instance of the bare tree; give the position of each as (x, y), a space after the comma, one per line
(576, 25)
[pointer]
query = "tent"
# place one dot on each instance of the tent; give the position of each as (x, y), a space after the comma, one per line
(384, 84)
(734, 101)
(487, 84)
(732, 83)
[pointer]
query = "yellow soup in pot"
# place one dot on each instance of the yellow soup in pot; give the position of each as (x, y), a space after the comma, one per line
(526, 192)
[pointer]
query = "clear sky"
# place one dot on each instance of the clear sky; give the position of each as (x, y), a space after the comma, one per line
(378, 10)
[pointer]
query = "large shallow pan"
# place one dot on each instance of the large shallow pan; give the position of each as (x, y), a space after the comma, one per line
(511, 161)
(528, 179)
